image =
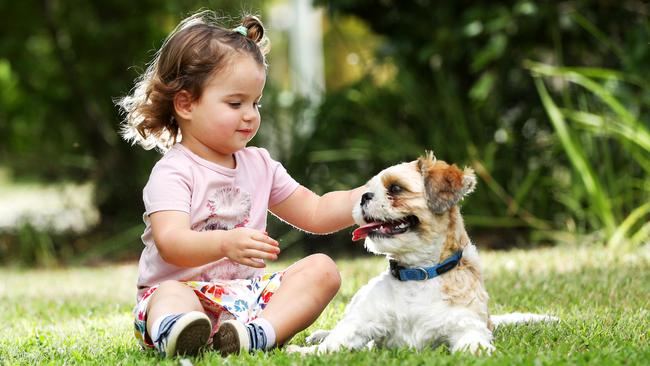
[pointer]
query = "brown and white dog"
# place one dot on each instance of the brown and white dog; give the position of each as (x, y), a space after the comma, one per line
(410, 214)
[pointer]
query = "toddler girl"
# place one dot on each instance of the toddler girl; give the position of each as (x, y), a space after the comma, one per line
(207, 199)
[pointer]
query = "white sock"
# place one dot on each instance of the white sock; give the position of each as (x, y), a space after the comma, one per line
(156, 326)
(268, 331)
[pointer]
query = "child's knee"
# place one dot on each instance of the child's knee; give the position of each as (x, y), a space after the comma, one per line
(170, 285)
(176, 295)
(174, 288)
(325, 272)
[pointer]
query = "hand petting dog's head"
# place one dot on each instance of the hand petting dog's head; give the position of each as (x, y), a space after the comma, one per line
(405, 211)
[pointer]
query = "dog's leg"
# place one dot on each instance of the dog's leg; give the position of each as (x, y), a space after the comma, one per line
(317, 337)
(471, 335)
(362, 322)
(351, 334)
(472, 342)
(365, 319)
(312, 340)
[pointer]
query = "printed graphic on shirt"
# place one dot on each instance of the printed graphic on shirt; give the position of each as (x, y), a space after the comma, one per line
(229, 207)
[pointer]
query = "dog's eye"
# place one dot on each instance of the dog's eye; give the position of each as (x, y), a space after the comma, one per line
(394, 189)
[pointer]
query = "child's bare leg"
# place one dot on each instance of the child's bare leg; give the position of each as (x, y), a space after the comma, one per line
(307, 287)
(171, 297)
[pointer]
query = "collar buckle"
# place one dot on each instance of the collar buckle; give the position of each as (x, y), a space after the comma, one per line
(424, 271)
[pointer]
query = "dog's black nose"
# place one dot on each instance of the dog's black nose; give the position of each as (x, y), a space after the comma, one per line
(366, 197)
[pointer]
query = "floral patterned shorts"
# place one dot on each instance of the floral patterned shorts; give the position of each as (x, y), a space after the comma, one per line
(222, 300)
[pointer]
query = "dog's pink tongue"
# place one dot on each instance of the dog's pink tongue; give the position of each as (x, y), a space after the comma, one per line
(362, 231)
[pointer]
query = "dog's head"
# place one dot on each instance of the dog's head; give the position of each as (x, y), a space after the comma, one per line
(406, 209)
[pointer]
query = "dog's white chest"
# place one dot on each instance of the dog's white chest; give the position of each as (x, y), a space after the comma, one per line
(412, 312)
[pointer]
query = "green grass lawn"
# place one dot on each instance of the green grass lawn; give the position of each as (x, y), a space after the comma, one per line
(83, 315)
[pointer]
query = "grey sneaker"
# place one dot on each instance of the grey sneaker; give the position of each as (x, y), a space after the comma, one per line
(232, 338)
(183, 334)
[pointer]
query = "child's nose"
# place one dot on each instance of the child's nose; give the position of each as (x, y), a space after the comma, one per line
(250, 113)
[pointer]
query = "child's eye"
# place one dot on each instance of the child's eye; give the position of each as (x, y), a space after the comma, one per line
(234, 104)
(258, 105)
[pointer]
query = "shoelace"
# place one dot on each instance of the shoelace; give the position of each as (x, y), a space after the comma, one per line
(163, 332)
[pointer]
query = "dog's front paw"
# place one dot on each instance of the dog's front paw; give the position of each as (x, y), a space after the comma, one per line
(332, 344)
(473, 344)
(293, 348)
(317, 337)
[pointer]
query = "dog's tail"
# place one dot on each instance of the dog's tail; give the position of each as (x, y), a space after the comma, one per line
(518, 318)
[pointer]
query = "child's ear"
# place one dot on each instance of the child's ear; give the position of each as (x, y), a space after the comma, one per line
(183, 103)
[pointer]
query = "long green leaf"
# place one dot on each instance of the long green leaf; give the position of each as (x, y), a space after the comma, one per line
(595, 88)
(642, 236)
(639, 136)
(598, 34)
(621, 232)
(577, 157)
(598, 124)
(525, 187)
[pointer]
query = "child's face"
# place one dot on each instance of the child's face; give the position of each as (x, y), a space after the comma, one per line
(227, 116)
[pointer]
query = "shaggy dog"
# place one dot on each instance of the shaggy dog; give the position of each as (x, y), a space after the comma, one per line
(433, 292)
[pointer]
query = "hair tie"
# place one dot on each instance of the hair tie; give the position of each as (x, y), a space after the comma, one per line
(241, 30)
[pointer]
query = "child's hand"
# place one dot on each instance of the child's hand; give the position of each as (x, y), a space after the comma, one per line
(247, 246)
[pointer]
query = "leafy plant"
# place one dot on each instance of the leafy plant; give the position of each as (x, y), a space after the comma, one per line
(619, 206)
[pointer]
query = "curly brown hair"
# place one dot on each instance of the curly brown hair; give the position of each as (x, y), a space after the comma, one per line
(196, 49)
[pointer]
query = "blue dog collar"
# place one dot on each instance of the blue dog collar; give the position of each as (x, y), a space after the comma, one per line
(424, 273)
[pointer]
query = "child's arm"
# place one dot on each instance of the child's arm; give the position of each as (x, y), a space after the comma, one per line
(319, 214)
(179, 245)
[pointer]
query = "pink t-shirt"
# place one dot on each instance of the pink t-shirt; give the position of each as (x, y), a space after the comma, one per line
(216, 198)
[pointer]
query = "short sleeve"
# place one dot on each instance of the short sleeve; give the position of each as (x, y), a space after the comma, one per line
(168, 189)
(283, 185)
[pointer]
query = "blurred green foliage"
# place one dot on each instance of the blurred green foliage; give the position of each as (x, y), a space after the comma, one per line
(461, 89)
(561, 152)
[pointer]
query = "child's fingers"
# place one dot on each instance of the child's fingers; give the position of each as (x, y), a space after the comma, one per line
(267, 239)
(252, 253)
(268, 248)
(251, 262)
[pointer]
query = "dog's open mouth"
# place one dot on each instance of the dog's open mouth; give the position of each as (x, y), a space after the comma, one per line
(384, 228)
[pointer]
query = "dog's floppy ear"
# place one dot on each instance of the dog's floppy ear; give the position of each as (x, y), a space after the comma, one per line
(444, 184)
